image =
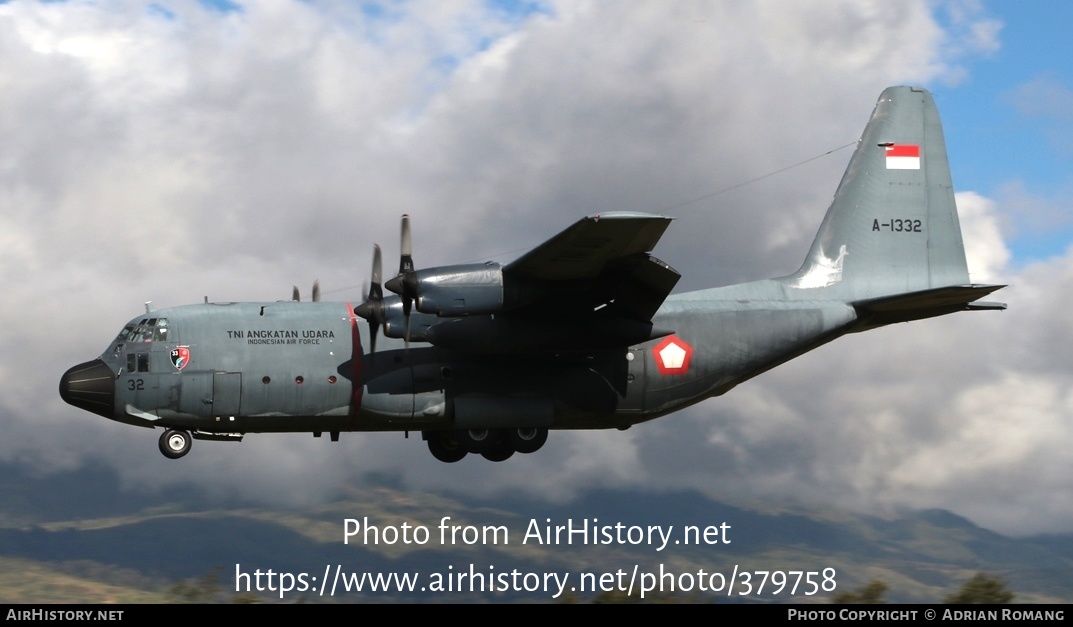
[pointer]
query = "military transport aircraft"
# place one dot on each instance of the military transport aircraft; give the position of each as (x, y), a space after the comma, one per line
(579, 333)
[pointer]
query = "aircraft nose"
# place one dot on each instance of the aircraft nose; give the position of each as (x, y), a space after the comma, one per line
(90, 386)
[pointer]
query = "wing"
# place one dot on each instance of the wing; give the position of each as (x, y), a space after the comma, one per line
(592, 286)
(585, 248)
(600, 264)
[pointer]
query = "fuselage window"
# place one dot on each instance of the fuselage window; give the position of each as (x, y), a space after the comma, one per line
(143, 362)
(131, 362)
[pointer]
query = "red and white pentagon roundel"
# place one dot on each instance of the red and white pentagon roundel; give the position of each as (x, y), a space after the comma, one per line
(672, 356)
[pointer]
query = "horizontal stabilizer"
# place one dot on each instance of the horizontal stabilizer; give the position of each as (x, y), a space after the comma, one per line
(986, 306)
(878, 312)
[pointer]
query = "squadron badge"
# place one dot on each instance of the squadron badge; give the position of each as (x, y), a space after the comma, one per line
(180, 356)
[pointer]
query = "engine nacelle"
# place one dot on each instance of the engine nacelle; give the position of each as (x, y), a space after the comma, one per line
(461, 290)
(395, 321)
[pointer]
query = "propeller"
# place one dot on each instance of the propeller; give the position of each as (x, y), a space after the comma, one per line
(405, 282)
(372, 309)
(316, 292)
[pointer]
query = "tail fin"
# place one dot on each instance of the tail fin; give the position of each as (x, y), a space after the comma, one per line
(892, 227)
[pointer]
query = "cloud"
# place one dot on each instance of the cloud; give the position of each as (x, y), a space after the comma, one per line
(169, 155)
(1047, 105)
(1046, 97)
(985, 250)
(971, 29)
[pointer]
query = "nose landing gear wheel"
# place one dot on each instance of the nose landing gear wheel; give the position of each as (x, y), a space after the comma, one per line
(174, 443)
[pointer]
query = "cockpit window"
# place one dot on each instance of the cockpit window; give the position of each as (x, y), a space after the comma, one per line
(147, 330)
(160, 333)
(122, 337)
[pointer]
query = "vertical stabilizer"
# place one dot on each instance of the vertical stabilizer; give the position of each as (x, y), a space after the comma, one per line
(892, 227)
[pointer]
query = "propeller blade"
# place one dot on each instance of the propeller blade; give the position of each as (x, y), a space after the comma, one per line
(398, 283)
(295, 295)
(376, 291)
(376, 294)
(404, 283)
(406, 260)
(372, 309)
(406, 272)
(316, 291)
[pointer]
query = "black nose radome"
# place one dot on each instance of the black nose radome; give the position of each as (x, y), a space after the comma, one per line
(90, 386)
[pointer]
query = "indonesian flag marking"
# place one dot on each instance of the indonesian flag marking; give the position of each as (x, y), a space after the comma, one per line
(672, 356)
(903, 157)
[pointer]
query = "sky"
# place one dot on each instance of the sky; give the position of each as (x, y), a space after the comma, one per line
(170, 151)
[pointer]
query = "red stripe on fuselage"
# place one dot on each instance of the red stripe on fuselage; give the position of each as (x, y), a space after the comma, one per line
(355, 395)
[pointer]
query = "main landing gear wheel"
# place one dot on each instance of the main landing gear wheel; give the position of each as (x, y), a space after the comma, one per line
(174, 443)
(499, 452)
(527, 440)
(476, 441)
(445, 447)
